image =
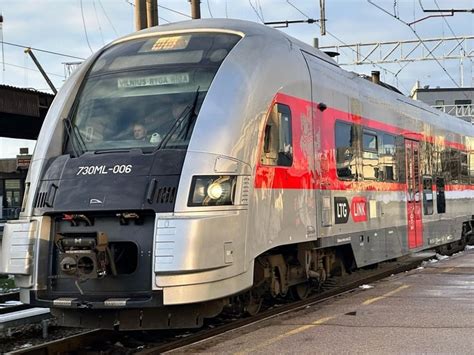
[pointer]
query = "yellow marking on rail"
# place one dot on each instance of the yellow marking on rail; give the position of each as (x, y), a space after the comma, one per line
(448, 270)
(287, 334)
(314, 324)
(388, 294)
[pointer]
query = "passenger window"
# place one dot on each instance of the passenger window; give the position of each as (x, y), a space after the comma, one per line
(370, 142)
(345, 150)
(277, 142)
(440, 197)
(463, 103)
(471, 167)
(428, 158)
(464, 168)
(437, 159)
(427, 195)
(455, 165)
(387, 159)
(451, 162)
(370, 156)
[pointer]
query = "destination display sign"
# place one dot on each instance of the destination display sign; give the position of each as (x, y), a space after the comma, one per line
(155, 80)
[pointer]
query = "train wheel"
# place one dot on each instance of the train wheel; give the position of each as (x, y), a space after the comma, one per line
(253, 303)
(300, 291)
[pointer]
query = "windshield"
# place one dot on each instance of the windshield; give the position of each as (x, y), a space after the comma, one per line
(139, 93)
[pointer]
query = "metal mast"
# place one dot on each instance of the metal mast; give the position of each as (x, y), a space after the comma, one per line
(152, 13)
(40, 68)
(322, 17)
(195, 9)
(140, 15)
(405, 51)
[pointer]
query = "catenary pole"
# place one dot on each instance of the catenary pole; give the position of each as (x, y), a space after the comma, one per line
(322, 8)
(140, 15)
(151, 13)
(195, 9)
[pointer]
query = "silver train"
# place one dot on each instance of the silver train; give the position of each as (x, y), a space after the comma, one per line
(213, 163)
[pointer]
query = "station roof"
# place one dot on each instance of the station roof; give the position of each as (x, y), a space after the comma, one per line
(438, 89)
(22, 111)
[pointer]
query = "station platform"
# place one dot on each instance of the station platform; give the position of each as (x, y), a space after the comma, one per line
(426, 310)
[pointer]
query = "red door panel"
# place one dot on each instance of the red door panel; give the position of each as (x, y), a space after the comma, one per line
(413, 194)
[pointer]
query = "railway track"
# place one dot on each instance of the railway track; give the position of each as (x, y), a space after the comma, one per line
(10, 296)
(10, 302)
(153, 342)
(14, 314)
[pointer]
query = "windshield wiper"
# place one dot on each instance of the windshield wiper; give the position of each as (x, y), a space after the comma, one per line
(74, 136)
(188, 113)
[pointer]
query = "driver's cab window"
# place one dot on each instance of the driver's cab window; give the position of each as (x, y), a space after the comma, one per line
(277, 147)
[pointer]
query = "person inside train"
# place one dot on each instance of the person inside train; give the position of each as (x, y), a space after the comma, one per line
(168, 121)
(139, 131)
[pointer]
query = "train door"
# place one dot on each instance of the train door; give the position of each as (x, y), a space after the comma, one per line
(413, 194)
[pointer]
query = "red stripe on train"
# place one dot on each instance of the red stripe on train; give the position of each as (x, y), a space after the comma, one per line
(303, 175)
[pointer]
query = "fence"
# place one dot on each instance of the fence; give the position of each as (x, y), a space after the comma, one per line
(465, 112)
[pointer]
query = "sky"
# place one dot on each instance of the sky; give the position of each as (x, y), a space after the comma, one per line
(80, 27)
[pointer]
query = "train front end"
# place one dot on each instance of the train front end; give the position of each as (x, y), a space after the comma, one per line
(101, 240)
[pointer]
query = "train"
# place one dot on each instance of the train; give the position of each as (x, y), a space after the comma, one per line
(217, 163)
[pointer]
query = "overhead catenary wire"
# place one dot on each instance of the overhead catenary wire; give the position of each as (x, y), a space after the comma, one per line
(452, 32)
(1, 39)
(395, 8)
(209, 9)
(43, 50)
(32, 69)
(107, 17)
(419, 38)
(341, 41)
(163, 7)
(256, 12)
(84, 25)
(296, 8)
(260, 9)
(447, 23)
(395, 74)
(98, 22)
(163, 19)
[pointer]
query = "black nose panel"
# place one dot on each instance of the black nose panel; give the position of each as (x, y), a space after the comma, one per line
(111, 181)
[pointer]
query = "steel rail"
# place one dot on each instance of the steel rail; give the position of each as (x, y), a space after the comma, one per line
(160, 344)
(278, 311)
(10, 296)
(69, 344)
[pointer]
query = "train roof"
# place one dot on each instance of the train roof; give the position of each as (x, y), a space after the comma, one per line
(249, 29)
(242, 27)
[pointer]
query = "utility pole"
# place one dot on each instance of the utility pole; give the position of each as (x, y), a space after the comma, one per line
(1, 38)
(195, 9)
(152, 13)
(140, 15)
(322, 17)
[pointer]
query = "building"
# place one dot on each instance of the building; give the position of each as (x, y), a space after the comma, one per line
(12, 185)
(457, 102)
(22, 112)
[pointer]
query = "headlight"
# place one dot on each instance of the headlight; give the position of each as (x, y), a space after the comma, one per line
(212, 191)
